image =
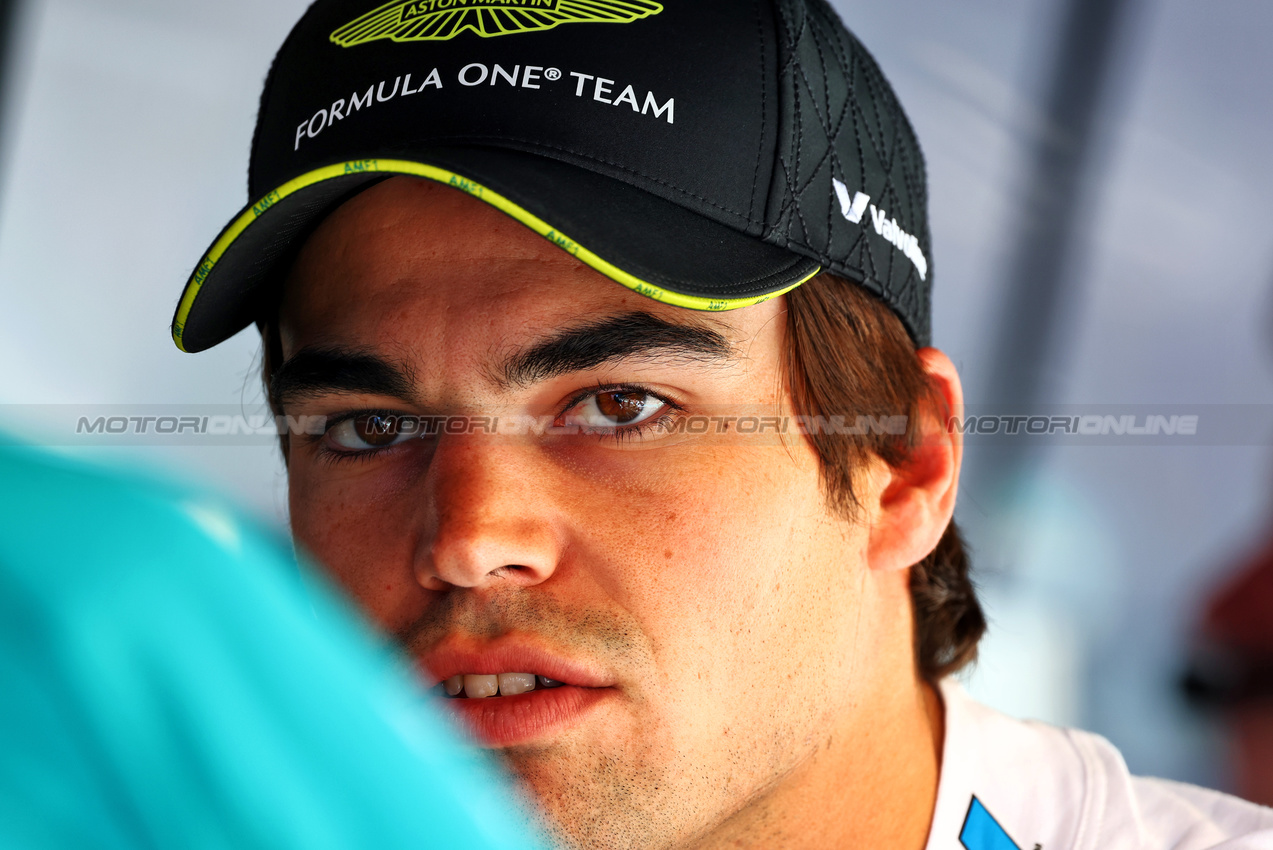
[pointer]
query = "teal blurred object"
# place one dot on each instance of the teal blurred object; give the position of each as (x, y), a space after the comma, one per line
(170, 679)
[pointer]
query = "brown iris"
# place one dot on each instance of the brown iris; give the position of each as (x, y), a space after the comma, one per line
(622, 408)
(378, 431)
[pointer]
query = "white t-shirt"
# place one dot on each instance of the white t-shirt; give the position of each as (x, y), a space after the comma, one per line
(1008, 784)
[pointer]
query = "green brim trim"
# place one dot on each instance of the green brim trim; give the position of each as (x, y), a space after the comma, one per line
(440, 175)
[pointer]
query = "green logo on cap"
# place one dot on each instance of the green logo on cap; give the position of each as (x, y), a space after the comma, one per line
(440, 20)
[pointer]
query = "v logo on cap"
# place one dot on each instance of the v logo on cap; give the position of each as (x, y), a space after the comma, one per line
(854, 208)
(442, 20)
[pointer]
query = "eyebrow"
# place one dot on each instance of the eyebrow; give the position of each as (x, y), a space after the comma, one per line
(627, 335)
(316, 371)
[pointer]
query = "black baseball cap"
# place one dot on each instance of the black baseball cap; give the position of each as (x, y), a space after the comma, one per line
(711, 154)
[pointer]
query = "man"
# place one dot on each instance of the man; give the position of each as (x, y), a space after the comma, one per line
(617, 314)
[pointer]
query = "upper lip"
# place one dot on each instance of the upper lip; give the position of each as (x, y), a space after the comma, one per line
(456, 656)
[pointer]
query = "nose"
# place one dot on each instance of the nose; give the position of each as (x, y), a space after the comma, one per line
(489, 523)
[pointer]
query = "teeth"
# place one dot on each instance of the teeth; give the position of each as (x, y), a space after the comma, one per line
(480, 686)
(516, 683)
(477, 686)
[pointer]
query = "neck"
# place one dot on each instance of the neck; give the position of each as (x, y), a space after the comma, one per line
(872, 785)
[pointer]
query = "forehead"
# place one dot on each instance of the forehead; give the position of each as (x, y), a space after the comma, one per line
(412, 264)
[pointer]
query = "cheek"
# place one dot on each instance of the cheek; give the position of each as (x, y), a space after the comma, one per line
(718, 561)
(363, 539)
(742, 588)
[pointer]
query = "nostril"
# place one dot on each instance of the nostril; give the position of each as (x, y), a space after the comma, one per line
(497, 548)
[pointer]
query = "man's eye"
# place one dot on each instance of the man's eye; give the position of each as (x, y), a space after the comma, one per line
(614, 409)
(371, 431)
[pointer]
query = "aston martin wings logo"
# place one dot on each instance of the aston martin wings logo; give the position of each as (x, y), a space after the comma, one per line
(439, 20)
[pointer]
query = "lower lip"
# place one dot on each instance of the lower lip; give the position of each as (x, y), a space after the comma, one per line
(520, 719)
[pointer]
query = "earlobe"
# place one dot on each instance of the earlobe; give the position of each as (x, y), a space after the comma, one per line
(915, 501)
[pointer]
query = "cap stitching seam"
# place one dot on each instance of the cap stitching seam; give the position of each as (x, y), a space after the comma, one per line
(781, 218)
(764, 114)
(828, 130)
(797, 141)
(831, 132)
(846, 112)
(792, 202)
(787, 72)
(822, 125)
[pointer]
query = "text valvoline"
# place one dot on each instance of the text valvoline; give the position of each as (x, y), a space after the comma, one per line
(853, 208)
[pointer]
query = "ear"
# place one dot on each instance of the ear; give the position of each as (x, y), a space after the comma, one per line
(912, 504)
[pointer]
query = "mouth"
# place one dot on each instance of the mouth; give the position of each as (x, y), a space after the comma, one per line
(502, 709)
(480, 686)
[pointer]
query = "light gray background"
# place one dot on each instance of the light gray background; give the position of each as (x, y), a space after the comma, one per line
(127, 132)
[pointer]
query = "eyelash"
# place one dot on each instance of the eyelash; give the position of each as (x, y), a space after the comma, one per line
(336, 456)
(619, 434)
(623, 434)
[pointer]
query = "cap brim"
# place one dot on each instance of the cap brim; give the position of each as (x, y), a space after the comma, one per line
(637, 239)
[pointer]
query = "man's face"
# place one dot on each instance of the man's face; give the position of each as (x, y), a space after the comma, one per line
(702, 606)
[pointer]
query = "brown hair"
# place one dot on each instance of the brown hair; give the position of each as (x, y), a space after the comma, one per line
(848, 354)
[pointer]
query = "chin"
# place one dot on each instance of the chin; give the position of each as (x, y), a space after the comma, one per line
(586, 798)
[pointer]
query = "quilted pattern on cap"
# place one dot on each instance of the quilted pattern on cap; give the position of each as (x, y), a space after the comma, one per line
(841, 120)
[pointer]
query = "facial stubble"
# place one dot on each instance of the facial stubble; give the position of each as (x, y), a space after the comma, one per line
(624, 782)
